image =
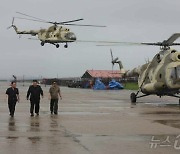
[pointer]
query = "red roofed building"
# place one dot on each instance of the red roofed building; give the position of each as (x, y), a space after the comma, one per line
(103, 74)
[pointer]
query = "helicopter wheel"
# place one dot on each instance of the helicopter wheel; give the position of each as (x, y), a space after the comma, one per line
(42, 43)
(133, 98)
(57, 45)
(65, 46)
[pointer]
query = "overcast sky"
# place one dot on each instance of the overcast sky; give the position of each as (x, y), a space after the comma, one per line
(126, 21)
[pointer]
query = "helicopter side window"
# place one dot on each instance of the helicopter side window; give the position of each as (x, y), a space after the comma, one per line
(173, 51)
(158, 58)
(175, 73)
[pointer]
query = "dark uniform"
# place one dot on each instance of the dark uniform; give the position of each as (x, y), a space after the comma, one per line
(12, 99)
(34, 92)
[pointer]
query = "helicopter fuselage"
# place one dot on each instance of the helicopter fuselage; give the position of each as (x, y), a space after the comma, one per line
(53, 35)
(161, 76)
(56, 34)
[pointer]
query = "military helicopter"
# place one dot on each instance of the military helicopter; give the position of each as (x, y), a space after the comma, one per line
(161, 76)
(55, 34)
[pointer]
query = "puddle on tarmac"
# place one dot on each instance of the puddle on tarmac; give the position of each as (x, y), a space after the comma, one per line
(34, 139)
(12, 137)
(83, 113)
(104, 101)
(171, 123)
(163, 112)
(164, 104)
(55, 130)
(120, 137)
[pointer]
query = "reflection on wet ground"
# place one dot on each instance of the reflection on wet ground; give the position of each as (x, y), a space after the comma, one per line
(88, 122)
(12, 126)
(172, 123)
(34, 124)
(164, 112)
(34, 139)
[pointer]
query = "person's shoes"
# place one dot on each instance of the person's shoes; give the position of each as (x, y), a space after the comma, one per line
(32, 114)
(12, 115)
(55, 113)
(51, 112)
(37, 114)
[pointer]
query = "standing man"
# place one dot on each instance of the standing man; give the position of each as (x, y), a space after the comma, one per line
(55, 93)
(34, 92)
(13, 96)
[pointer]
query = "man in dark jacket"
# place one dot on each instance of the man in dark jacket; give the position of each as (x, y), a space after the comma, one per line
(34, 92)
(13, 97)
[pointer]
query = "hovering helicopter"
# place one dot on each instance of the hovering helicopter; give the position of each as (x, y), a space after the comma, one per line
(161, 76)
(55, 34)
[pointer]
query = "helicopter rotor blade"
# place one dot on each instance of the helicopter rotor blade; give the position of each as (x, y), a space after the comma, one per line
(84, 25)
(9, 27)
(172, 38)
(31, 19)
(111, 43)
(42, 20)
(70, 21)
(13, 21)
(111, 54)
(31, 16)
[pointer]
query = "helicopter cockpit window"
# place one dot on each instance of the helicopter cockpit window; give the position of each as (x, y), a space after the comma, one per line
(158, 58)
(70, 36)
(173, 51)
(175, 73)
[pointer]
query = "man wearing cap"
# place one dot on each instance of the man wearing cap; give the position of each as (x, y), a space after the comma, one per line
(13, 96)
(55, 93)
(34, 92)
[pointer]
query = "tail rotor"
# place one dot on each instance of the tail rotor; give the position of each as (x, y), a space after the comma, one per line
(12, 24)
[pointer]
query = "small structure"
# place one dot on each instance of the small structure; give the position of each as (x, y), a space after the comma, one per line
(90, 76)
(103, 74)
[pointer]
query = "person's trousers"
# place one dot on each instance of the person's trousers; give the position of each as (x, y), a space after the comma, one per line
(11, 105)
(34, 104)
(54, 106)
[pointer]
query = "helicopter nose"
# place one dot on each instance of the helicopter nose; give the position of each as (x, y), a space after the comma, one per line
(71, 36)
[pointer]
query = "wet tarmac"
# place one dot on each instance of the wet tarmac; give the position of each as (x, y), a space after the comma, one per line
(91, 122)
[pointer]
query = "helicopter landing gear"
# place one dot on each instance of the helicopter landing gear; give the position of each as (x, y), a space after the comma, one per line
(133, 98)
(57, 45)
(66, 45)
(42, 43)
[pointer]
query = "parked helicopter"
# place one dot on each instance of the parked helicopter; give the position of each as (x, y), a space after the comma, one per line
(55, 34)
(161, 76)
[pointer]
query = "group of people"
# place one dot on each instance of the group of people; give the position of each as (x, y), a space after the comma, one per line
(34, 94)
